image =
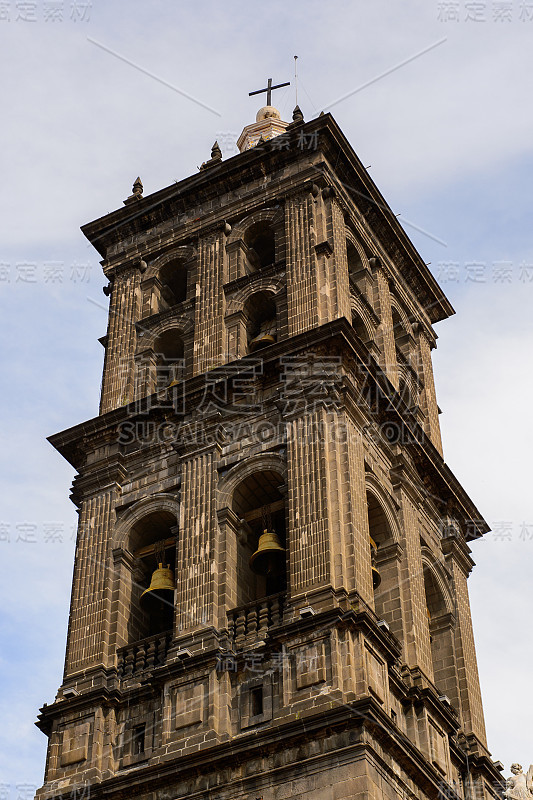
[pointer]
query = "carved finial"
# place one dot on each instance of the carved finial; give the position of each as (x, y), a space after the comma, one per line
(216, 157)
(297, 115)
(137, 192)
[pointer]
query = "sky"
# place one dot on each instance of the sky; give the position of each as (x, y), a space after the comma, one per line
(435, 99)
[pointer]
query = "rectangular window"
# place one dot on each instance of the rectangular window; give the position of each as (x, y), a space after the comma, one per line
(138, 740)
(256, 701)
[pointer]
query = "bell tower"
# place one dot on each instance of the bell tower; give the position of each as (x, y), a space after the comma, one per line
(270, 586)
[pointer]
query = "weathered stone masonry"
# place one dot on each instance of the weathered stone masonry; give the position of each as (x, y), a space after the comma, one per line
(268, 365)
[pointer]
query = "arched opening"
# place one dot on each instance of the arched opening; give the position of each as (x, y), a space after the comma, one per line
(152, 541)
(259, 501)
(169, 358)
(355, 262)
(359, 327)
(401, 336)
(441, 638)
(173, 278)
(385, 560)
(261, 322)
(261, 245)
(406, 393)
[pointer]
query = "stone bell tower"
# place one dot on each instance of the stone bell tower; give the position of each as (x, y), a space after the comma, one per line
(270, 586)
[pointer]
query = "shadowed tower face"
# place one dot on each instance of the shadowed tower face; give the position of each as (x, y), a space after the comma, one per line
(270, 586)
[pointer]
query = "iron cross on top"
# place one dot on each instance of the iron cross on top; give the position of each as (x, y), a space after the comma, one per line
(269, 89)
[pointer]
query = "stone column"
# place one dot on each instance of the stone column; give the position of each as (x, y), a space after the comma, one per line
(465, 652)
(145, 373)
(302, 279)
(197, 573)
(208, 349)
(386, 341)
(329, 539)
(90, 607)
(338, 280)
(429, 400)
(124, 311)
(417, 645)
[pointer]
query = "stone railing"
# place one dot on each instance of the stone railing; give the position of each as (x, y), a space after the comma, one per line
(142, 656)
(249, 624)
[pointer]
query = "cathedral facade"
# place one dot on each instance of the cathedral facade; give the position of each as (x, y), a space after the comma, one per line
(270, 593)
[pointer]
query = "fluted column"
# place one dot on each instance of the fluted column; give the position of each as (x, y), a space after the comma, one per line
(124, 312)
(302, 279)
(196, 574)
(417, 649)
(386, 341)
(90, 609)
(338, 294)
(208, 351)
(329, 540)
(431, 411)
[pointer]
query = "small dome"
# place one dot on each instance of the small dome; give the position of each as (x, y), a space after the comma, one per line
(266, 112)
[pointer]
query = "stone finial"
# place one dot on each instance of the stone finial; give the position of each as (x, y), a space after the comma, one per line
(137, 191)
(297, 115)
(216, 157)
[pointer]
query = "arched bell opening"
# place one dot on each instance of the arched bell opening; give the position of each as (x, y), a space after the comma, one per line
(441, 635)
(385, 566)
(153, 545)
(173, 278)
(169, 358)
(262, 556)
(407, 395)
(360, 328)
(261, 321)
(355, 262)
(402, 338)
(260, 241)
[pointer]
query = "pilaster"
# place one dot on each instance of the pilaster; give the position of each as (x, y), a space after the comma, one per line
(197, 570)
(430, 408)
(124, 311)
(302, 278)
(89, 620)
(386, 328)
(209, 310)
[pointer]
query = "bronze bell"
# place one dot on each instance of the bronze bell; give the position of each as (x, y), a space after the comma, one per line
(376, 577)
(161, 586)
(269, 556)
(266, 335)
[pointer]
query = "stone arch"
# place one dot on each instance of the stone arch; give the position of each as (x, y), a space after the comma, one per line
(402, 329)
(183, 324)
(354, 240)
(386, 555)
(258, 284)
(374, 487)
(262, 462)
(439, 579)
(256, 242)
(368, 330)
(162, 501)
(133, 567)
(272, 215)
(441, 621)
(184, 252)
